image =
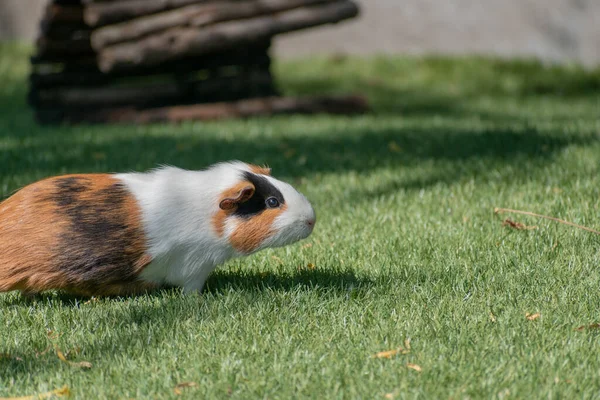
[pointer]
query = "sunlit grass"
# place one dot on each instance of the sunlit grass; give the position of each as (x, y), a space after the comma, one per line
(406, 246)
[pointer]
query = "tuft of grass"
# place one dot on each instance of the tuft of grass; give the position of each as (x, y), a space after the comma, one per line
(407, 248)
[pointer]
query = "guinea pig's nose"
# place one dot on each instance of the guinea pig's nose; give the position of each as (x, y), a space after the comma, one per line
(310, 222)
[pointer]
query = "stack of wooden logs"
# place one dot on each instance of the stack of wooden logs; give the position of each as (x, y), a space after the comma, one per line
(171, 60)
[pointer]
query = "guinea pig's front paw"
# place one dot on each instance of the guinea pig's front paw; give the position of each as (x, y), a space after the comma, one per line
(28, 295)
(193, 288)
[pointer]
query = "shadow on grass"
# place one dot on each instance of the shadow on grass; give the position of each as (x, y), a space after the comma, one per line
(406, 86)
(220, 281)
(458, 154)
(73, 300)
(170, 306)
(439, 85)
(223, 281)
(359, 149)
(362, 147)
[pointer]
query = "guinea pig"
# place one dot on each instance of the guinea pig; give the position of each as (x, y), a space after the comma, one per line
(120, 234)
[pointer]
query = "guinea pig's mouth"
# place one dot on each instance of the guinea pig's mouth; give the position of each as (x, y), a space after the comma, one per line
(291, 234)
(305, 229)
(309, 227)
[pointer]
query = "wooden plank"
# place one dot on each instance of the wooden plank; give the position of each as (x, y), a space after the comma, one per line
(66, 33)
(267, 106)
(45, 75)
(63, 31)
(180, 42)
(67, 2)
(52, 78)
(147, 94)
(197, 15)
(64, 48)
(71, 59)
(104, 13)
(64, 13)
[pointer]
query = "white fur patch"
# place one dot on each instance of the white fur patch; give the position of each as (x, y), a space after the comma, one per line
(177, 210)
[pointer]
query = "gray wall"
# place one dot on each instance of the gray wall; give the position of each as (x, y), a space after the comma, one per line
(19, 19)
(554, 30)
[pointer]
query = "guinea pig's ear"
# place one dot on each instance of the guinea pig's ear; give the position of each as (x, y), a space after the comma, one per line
(264, 170)
(238, 197)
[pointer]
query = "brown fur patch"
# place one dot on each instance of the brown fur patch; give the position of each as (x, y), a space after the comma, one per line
(78, 233)
(218, 222)
(250, 233)
(233, 193)
(259, 170)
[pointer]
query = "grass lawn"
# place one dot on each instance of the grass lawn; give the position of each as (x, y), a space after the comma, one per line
(407, 249)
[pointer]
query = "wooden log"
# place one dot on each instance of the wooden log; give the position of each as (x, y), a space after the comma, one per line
(49, 116)
(98, 14)
(82, 78)
(340, 105)
(52, 75)
(179, 42)
(256, 53)
(65, 33)
(146, 95)
(64, 13)
(61, 21)
(195, 15)
(85, 60)
(140, 27)
(67, 2)
(61, 31)
(64, 48)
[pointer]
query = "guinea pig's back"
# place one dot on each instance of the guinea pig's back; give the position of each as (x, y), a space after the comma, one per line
(80, 233)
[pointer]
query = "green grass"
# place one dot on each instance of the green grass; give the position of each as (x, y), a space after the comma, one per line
(406, 247)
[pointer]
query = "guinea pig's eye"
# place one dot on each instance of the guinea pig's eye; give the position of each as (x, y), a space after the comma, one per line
(272, 202)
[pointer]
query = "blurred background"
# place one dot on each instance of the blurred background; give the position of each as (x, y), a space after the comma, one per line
(550, 30)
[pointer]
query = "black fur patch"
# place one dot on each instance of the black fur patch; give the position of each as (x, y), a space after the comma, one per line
(263, 190)
(98, 248)
(69, 188)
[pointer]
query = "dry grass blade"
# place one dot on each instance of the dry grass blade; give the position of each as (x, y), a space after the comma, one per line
(498, 210)
(391, 353)
(41, 353)
(517, 225)
(64, 391)
(52, 335)
(92, 300)
(394, 147)
(183, 385)
(387, 354)
(588, 327)
(532, 317)
(81, 364)
(414, 366)
(7, 356)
